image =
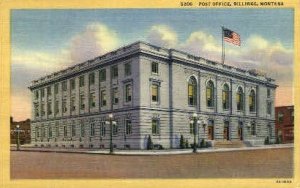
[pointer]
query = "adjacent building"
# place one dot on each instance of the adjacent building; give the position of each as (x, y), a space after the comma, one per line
(151, 91)
(284, 116)
(25, 132)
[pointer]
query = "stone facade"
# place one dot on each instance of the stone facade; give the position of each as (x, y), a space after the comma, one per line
(149, 91)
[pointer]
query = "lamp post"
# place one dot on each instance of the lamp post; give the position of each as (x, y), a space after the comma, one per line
(18, 137)
(195, 120)
(111, 123)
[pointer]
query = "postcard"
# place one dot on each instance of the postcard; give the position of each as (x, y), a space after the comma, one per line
(149, 94)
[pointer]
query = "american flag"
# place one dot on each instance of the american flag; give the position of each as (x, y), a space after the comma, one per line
(231, 37)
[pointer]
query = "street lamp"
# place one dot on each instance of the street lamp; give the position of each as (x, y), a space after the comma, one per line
(18, 137)
(195, 121)
(111, 123)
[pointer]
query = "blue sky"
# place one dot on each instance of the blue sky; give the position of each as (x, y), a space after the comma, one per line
(50, 29)
(45, 41)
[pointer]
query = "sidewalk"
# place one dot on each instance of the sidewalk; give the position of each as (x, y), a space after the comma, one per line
(148, 152)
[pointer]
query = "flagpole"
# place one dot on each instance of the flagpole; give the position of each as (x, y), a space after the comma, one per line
(223, 47)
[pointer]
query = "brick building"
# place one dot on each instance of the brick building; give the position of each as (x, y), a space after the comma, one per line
(150, 91)
(284, 123)
(25, 134)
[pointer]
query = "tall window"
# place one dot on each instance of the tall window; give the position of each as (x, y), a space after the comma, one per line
(65, 131)
(154, 92)
(64, 86)
(57, 129)
(128, 92)
(49, 108)
(50, 132)
(73, 107)
(252, 101)
(128, 126)
(115, 96)
(36, 132)
(225, 97)
(268, 93)
(155, 126)
(102, 75)
(81, 102)
(36, 110)
(154, 67)
(72, 83)
(115, 128)
(92, 129)
(49, 91)
(43, 134)
(92, 78)
(81, 81)
(36, 95)
(240, 99)
(73, 129)
(56, 107)
(82, 131)
(102, 128)
(92, 100)
(56, 89)
(253, 128)
(127, 69)
(210, 94)
(103, 98)
(64, 105)
(114, 71)
(43, 109)
(43, 93)
(269, 107)
(192, 91)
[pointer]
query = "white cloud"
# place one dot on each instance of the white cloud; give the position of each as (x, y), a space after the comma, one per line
(162, 35)
(28, 65)
(95, 40)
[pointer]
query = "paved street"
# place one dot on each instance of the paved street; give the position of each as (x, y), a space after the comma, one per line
(263, 163)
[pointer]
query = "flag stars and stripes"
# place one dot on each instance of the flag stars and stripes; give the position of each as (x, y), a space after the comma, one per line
(232, 37)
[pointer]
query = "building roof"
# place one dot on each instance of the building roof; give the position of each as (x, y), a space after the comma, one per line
(147, 48)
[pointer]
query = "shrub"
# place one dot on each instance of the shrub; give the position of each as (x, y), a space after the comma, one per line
(267, 141)
(149, 143)
(203, 144)
(186, 143)
(182, 144)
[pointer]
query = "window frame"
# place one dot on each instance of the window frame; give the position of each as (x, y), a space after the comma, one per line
(155, 127)
(210, 99)
(240, 103)
(192, 91)
(127, 69)
(155, 68)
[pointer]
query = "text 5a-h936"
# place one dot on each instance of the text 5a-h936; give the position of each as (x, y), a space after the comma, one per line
(186, 4)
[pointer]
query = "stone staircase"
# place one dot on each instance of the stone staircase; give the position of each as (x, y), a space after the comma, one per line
(229, 144)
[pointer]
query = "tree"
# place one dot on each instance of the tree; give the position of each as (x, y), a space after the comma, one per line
(182, 144)
(149, 143)
(186, 143)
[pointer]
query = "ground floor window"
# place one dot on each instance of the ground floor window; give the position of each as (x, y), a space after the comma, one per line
(128, 126)
(253, 128)
(155, 126)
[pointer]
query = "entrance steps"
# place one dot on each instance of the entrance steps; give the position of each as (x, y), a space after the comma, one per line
(229, 144)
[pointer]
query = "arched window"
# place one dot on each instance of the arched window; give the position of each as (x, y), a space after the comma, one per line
(225, 97)
(252, 101)
(240, 99)
(210, 94)
(192, 91)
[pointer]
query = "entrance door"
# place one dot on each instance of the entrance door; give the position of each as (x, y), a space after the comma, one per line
(210, 132)
(226, 133)
(241, 133)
